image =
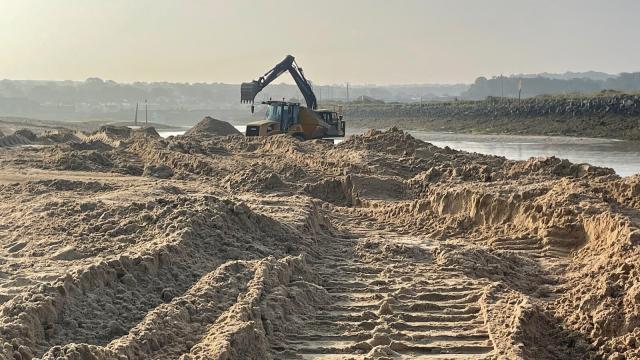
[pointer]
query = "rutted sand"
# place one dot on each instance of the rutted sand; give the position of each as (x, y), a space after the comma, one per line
(124, 245)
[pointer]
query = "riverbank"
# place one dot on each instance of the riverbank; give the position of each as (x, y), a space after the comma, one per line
(10, 124)
(613, 116)
(620, 155)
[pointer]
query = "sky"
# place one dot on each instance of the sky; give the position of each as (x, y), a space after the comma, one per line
(334, 41)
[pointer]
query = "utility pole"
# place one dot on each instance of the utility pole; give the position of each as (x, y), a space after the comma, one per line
(519, 89)
(501, 86)
(146, 112)
(135, 119)
(347, 92)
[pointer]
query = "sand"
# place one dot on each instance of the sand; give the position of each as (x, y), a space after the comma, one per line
(130, 246)
(210, 126)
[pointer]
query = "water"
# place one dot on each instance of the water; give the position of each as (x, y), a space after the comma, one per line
(165, 134)
(622, 156)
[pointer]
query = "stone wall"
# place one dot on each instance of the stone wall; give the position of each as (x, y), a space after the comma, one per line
(619, 104)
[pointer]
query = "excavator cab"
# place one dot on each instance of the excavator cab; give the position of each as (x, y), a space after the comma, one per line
(281, 117)
(284, 113)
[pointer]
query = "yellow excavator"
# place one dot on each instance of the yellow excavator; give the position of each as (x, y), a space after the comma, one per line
(285, 117)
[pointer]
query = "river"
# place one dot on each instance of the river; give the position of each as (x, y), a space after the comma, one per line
(622, 156)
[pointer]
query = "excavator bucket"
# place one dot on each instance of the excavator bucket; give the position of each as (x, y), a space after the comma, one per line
(248, 91)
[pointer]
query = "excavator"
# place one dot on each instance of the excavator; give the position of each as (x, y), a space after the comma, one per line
(283, 117)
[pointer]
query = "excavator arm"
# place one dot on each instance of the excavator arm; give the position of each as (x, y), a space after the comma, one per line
(248, 91)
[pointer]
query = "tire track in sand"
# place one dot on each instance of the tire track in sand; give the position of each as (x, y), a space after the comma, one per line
(389, 305)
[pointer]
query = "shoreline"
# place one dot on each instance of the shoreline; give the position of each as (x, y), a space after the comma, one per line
(489, 127)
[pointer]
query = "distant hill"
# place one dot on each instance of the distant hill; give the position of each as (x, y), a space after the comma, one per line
(178, 103)
(539, 85)
(184, 104)
(592, 75)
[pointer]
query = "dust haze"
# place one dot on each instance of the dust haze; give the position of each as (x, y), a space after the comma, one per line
(215, 180)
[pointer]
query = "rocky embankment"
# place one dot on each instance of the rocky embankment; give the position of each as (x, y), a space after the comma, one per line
(605, 115)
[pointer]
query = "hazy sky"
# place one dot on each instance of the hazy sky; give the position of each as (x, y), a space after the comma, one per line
(375, 41)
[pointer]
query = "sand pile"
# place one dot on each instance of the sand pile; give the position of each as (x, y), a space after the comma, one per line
(13, 140)
(607, 306)
(625, 192)
(115, 132)
(254, 180)
(27, 134)
(90, 145)
(393, 141)
(111, 135)
(61, 136)
(146, 131)
(555, 166)
(210, 126)
(126, 246)
(167, 241)
(92, 155)
(159, 171)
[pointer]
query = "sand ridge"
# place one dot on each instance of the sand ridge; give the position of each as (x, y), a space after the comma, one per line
(129, 246)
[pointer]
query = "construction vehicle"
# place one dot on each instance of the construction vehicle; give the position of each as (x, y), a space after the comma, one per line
(283, 117)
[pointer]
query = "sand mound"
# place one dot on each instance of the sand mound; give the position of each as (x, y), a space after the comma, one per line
(61, 136)
(211, 126)
(27, 134)
(555, 166)
(626, 192)
(90, 145)
(393, 141)
(146, 131)
(252, 180)
(115, 132)
(158, 171)
(83, 160)
(13, 140)
(380, 247)
(606, 306)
